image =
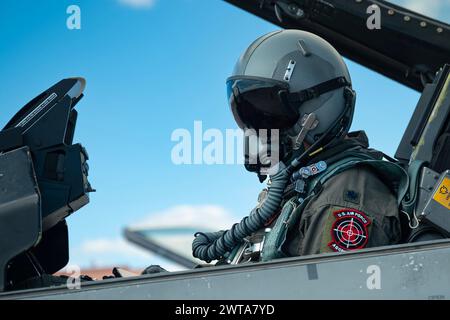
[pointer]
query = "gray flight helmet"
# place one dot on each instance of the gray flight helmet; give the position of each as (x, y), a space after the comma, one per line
(315, 62)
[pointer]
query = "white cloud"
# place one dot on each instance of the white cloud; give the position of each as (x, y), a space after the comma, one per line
(439, 9)
(138, 4)
(430, 8)
(210, 217)
(117, 246)
(116, 251)
(101, 252)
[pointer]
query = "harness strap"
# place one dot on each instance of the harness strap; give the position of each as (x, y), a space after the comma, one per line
(410, 199)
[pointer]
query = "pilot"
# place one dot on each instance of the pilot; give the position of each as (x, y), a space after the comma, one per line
(292, 95)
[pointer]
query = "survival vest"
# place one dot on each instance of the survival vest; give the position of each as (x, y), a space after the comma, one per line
(392, 174)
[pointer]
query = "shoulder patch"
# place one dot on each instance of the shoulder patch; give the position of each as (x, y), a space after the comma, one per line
(349, 231)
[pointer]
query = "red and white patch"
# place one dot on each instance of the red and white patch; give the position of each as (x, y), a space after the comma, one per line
(349, 231)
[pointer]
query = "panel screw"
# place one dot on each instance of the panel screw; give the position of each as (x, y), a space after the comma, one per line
(439, 30)
(407, 18)
(391, 12)
(423, 24)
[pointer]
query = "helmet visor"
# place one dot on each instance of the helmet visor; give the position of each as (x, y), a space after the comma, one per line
(258, 103)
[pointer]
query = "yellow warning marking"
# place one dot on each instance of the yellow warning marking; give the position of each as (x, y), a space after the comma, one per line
(442, 194)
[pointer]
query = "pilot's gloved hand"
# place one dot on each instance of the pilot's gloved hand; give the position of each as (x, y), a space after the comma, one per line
(153, 269)
(120, 273)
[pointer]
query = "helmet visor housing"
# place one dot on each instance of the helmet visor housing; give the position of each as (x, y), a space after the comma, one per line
(258, 103)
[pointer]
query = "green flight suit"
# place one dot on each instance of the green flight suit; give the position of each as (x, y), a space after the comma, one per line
(353, 209)
(354, 191)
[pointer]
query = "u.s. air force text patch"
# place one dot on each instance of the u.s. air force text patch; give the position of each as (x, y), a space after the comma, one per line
(349, 230)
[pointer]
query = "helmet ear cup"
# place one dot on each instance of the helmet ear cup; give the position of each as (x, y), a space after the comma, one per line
(341, 126)
(327, 108)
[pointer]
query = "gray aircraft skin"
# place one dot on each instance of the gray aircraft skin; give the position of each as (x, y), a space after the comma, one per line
(416, 270)
(412, 271)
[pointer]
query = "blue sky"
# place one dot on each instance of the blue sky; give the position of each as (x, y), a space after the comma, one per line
(152, 67)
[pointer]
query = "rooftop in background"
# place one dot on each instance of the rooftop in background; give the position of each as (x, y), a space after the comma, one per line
(97, 273)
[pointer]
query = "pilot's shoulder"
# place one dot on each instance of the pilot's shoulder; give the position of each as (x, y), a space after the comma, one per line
(359, 187)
